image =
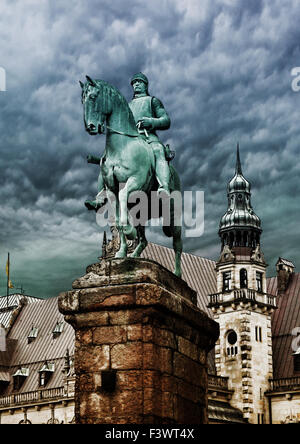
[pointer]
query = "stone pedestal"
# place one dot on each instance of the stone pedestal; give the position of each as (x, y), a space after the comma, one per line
(141, 345)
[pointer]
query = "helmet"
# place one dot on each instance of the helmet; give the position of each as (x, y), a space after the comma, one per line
(139, 76)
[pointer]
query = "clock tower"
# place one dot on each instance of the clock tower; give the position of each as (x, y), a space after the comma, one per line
(241, 305)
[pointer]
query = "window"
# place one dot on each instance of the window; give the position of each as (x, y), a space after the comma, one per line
(243, 278)
(59, 326)
(258, 334)
(259, 281)
(3, 386)
(19, 378)
(297, 362)
(260, 418)
(227, 281)
(32, 334)
(231, 343)
(45, 373)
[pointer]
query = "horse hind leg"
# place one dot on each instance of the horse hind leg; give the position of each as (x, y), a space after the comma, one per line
(127, 228)
(142, 242)
(177, 246)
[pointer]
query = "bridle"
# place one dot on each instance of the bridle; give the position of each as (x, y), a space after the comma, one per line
(120, 132)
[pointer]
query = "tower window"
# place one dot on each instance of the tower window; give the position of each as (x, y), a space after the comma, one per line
(227, 281)
(231, 346)
(243, 278)
(259, 281)
(258, 334)
(260, 418)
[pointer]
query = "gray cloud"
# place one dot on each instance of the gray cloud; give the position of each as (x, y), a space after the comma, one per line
(222, 70)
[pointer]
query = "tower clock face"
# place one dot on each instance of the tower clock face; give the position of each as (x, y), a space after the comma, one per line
(232, 337)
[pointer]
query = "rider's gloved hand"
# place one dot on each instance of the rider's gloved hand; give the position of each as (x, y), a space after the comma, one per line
(146, 122)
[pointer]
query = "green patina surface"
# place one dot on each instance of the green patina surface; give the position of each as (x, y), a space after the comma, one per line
(134, 159)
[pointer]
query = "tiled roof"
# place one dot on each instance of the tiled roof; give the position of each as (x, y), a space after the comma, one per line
(285, 262)
(44, 315)
(10, 303)
(285, 319)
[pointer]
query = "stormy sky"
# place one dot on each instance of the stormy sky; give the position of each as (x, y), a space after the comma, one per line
(222, 68)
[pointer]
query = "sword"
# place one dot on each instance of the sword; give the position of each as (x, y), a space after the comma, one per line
(143, 129)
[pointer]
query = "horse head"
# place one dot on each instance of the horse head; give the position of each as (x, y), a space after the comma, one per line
(95, 111)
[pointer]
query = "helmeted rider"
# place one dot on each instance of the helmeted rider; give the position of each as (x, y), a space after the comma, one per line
(149, 115)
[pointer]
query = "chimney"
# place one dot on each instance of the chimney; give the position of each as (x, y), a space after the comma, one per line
(285, 270)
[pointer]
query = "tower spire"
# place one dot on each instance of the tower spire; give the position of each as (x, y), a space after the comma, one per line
(238, 168)
(240, 226)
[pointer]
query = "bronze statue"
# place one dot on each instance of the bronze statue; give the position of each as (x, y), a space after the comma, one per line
(134, 158)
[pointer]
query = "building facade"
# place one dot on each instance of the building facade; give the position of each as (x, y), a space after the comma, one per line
(254, 371)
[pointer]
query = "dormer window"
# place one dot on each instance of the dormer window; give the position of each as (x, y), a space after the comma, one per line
(32, 334)
(45, 373)
(19, 377)
(58, 329)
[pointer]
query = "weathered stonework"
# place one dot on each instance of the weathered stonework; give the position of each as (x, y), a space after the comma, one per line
(141, 345)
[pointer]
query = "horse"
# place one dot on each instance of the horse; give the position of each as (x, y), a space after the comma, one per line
(128, 164)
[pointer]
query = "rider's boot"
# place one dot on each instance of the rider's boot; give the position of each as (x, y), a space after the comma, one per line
(163, 176)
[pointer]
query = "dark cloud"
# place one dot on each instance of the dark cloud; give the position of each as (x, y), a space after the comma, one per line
(223, 72)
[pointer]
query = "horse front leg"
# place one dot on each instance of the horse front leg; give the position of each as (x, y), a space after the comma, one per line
(123, 244)
(127, 228)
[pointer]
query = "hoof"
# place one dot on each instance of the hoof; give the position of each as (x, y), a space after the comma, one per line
(93, 204)
(178, 273)
(121, 254)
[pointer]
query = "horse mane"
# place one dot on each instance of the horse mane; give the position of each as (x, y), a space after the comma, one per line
(111, 90)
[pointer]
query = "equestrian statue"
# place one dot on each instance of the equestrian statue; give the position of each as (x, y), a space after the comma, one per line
(134, 159)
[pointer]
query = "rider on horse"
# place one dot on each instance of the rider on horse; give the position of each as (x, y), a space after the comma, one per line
(149, 115)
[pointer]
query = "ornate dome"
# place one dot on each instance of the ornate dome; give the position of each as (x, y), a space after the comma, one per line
(240, 214)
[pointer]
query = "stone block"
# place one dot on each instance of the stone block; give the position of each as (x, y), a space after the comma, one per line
(92, 359)
(109, 335)
(127, 356)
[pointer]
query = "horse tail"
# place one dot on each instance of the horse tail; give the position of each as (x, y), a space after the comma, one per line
(174, 185)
